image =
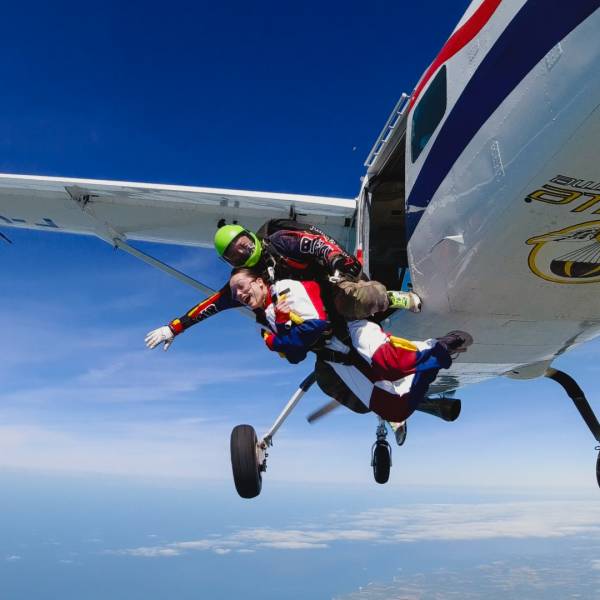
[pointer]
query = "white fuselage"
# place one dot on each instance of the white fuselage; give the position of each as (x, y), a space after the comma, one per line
(503, 202)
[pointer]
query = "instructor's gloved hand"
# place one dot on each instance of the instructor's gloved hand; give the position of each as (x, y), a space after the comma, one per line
(347, 265)
(159, 336)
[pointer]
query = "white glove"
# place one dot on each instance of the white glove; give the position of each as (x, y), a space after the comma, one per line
(158, 336)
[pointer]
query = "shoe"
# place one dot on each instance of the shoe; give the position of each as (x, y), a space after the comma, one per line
(447, 409)
(456, 342)
(400, 431)
(404, 300)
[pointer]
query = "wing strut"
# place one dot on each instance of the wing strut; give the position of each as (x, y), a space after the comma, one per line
(154, 262)
(106, 232)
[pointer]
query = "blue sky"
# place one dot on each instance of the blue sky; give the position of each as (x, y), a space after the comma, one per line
(101, 439)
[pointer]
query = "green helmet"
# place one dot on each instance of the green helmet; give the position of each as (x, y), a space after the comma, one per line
(246, 256)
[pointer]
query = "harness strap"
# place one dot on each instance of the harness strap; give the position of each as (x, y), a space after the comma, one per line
(352, 358)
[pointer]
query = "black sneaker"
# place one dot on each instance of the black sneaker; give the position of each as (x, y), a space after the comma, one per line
(399, 430)
(456, 342)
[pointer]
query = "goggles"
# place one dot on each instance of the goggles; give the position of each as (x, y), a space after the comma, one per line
(240, 250)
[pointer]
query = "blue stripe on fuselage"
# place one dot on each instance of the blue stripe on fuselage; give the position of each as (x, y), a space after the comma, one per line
(534, 30)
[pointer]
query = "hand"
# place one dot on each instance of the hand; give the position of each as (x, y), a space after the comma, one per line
(159, 336)
(348, 265)
(283, 306)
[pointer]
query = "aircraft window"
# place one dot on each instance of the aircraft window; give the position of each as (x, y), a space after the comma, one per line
(428, 113)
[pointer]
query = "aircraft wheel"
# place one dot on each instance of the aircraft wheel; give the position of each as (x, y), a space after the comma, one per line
(247, 474)
(598, 469)
(382, 461)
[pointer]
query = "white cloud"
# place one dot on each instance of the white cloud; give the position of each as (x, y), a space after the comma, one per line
(294, 545)
(13, 557)
(209, 544)
(482, 521)
(149, 552)
(406, 524)
(300, 539)
(140, 376)
(170, 449)
(596, 565)
(76, 417)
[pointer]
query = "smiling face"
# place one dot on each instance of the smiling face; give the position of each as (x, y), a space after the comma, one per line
(249, 290)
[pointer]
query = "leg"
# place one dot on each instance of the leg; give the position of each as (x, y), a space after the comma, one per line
(398, 358)
(362, 299)
(396, 401)
(359, 299)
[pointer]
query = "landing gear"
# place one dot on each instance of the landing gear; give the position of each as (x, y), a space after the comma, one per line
(381, 461)
(248, 461)
(249, 454)
(581, 403)
(381, 455)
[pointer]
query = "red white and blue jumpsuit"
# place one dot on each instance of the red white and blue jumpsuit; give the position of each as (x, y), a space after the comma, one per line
(389, 375)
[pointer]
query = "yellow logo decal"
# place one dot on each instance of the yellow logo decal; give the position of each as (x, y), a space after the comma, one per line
(569, 255)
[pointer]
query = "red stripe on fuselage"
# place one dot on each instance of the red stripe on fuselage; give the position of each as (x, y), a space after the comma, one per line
(456, 42)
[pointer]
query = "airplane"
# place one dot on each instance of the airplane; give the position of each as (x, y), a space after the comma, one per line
(481, 193)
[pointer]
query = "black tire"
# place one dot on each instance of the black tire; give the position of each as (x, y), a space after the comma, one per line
(598, 469)
(382, 460)
(244, 464)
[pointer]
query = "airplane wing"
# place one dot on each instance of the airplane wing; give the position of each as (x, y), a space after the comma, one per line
(115, 210)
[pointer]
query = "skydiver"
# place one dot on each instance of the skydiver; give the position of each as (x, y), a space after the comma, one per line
(381, 373)
(286, 249)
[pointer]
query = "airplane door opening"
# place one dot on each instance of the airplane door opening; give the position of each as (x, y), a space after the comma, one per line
(385, 221)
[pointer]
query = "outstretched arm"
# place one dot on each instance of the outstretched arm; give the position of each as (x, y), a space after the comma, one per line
(210, 306)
